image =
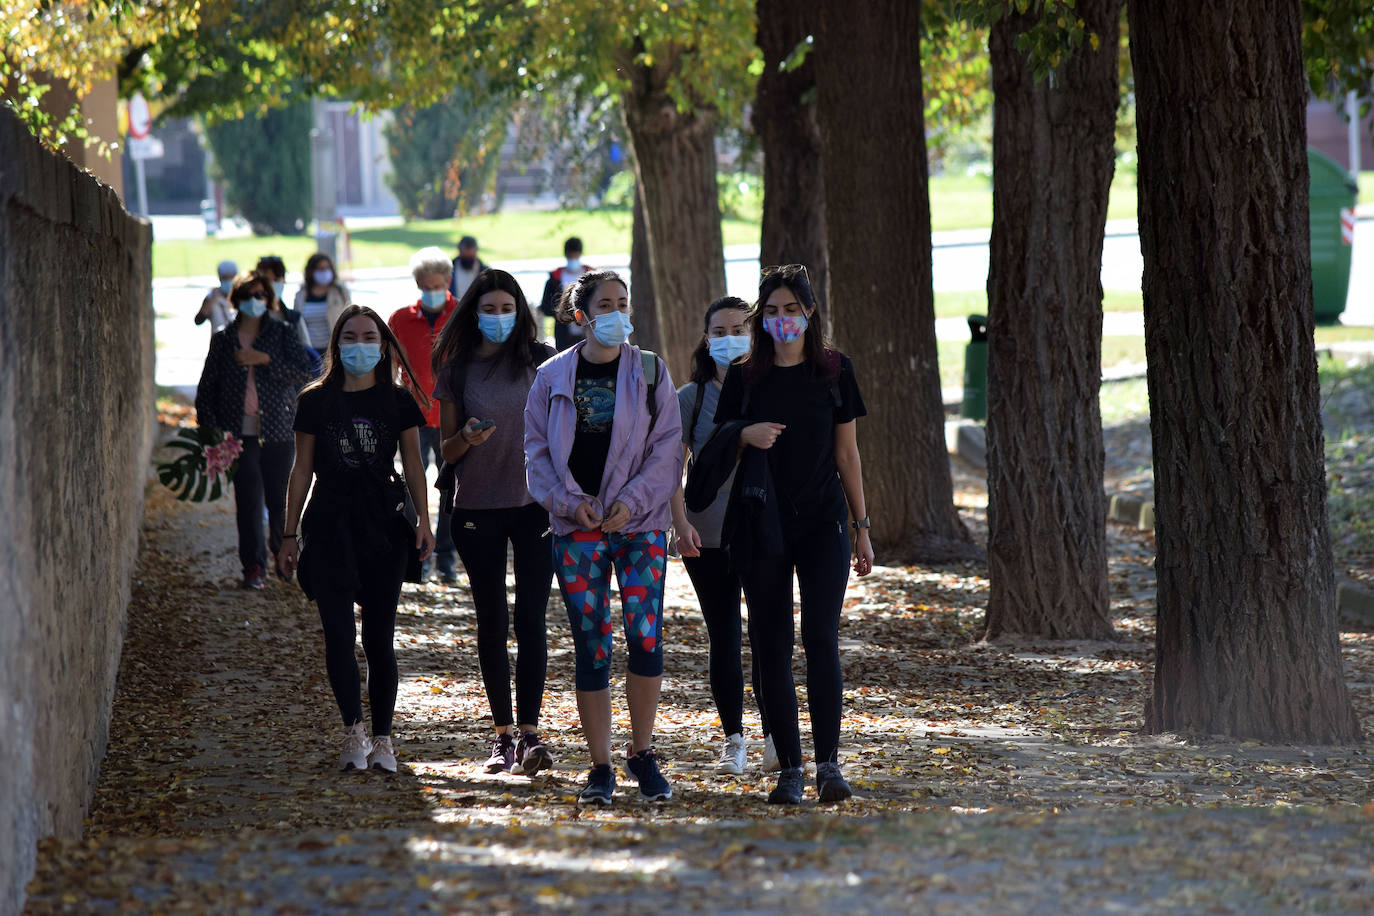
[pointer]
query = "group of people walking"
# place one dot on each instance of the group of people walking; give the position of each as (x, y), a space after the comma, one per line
(573, 461)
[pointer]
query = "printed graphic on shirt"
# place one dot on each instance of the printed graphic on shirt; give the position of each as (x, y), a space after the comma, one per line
(368, 435)
(595, 400)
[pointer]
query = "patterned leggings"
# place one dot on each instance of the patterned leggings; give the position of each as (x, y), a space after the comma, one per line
(583, 560)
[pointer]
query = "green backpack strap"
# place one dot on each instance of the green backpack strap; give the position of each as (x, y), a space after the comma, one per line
(649, 361)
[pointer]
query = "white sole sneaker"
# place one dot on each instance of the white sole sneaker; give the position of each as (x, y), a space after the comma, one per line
(770, 756)
(732, 756)
(356, 747)
(383, 757)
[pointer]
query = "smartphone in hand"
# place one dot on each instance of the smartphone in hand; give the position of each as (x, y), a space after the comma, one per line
(484, 425)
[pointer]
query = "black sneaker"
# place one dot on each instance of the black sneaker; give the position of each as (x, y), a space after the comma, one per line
(830, 784)
(600, 786)
(502, 754)
(788, 791)
(531, 755)
(644, 767)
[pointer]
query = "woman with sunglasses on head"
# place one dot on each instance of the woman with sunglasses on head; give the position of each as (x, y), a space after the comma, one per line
(603, 455)
(355, 545)
(795, 400)
(485, 363)
(253, 371)
(725, 339)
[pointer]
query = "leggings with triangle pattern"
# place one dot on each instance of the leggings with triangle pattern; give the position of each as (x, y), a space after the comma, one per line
(584, 561)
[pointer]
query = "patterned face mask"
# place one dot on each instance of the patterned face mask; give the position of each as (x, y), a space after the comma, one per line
(785, 328)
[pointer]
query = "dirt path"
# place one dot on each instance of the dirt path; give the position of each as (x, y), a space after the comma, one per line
(989, 778)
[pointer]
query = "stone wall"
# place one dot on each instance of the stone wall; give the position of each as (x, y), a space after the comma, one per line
(76, 425)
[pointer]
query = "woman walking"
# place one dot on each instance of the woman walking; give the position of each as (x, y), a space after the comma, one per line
(255, 368)
(726, 338)
(355, 544)
(796, 400)
(485, 363)
(603, 456)
(320, 300)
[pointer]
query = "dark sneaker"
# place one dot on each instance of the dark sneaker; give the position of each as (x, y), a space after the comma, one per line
(502, 754)
(253, 578)
(830, 785)
(531, 755)
(644, 767)
(788, 791)
(600, 786)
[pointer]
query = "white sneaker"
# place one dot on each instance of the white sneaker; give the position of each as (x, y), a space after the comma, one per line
(731, 761)
(770, 755)
(356, 747)
(383, 756)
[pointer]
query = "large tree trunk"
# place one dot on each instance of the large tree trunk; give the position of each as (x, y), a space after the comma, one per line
(784, 118)
(642, 279)
(1247, 643)
(1053, 148)
(877, 214)
(675, 164)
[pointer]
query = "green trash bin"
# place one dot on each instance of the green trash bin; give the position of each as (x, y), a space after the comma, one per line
(1332, 208)
(975, 406)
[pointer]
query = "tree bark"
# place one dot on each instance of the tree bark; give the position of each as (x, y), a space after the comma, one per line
(1053, 147)
(1247, 643)
(675, 165)
(642, 279)
(877, 215)
(784, 118)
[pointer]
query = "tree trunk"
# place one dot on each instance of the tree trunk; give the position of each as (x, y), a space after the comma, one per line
(1053, 147)
(1247, 644)
(877, 215)
(675, 165)
(784, 118)
(642, 279)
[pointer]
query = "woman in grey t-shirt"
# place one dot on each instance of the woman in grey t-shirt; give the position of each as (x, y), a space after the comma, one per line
(726, 338)
(485, 362)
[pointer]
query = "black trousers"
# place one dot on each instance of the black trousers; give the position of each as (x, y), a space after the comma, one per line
(819, 553)
(481, 536)
(377, 593)
(718, 593)
(264, 469)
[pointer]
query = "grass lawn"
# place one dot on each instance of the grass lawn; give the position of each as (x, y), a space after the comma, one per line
(961, 302)
(1366, 188)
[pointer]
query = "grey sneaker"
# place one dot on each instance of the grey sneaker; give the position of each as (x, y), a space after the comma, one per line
(383, 756)
(356, 747)
(788, 791)
(830, 784)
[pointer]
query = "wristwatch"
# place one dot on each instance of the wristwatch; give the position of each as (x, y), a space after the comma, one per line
(864, 522)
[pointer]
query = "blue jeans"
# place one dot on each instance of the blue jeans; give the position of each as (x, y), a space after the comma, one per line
(430, 439)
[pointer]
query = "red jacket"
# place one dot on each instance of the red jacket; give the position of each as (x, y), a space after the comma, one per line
(412, 329)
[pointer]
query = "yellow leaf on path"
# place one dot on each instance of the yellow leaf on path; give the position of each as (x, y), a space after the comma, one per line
(939, 750)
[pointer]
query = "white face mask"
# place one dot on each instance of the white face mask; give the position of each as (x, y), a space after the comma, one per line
(727, 349)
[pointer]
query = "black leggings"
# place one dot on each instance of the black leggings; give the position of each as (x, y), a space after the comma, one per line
(819, 552)
(378, 592)
(480, 536)
(264, 468)
(718, 593)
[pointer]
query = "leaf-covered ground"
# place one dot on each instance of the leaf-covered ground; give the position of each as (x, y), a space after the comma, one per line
(989, 778)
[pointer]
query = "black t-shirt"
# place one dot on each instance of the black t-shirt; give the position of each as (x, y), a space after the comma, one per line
(594, 395)
(377, 416)
(802, 460)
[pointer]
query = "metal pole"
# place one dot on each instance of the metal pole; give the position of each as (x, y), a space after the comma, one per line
(141, 178)
(1352, 112)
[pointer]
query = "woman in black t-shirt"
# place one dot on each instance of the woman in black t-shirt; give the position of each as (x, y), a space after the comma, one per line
(800, 400)
(355, 544)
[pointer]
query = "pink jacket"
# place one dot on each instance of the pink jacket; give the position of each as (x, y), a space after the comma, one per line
(643, 467)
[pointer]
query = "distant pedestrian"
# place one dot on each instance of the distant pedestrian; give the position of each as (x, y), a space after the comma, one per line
(565, 333)
(466, 267)
(253, 371)
(321, 299)
(725, 339)
(486, 359)
(354, 545)
(603, 455)
(273, 269)
(418, 326)
(794, 401)
(215, 307)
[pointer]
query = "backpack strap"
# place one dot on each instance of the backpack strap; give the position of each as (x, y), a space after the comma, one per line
(696, 411)
(649, 362)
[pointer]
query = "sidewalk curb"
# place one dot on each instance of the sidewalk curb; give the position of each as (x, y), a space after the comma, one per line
(968, 440)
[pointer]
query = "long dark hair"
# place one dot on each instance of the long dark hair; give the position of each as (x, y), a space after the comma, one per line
(703, 366)
(821, 360)
(461, 336)
(315, 260)
(578, 296)
(385, 372)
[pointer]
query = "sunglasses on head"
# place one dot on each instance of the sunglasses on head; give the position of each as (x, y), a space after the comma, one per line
(786, 271)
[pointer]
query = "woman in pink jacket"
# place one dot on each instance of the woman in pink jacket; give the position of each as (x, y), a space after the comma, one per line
(602, 454)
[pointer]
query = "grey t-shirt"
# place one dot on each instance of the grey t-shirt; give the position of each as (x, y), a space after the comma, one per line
(491, 475)
(707, 523)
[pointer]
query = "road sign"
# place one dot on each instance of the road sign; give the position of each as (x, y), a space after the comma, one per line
(145, 148)
(140, 118)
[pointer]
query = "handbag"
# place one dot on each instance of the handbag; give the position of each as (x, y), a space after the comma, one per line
(399, 503)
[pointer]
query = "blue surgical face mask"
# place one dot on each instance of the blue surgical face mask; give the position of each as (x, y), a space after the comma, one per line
(725, 350)
(279, 286)
(496, 328)
(226, 286)
(433, 299)
(253, 308)
(360, 358)
(323, 277)
(612, 329)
